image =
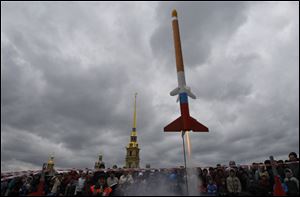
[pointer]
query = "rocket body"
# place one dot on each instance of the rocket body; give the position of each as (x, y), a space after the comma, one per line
(185, 122)
(178, 51)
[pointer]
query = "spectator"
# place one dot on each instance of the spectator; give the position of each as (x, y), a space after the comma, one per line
(88, 184)
(264, 186)
(126, 178)
(245, 180)
(291, 182)
(199, 171)
(80, 184)
(212, 172)
(253, 182)
(268, 168)
(280, 169)
(294, 164)
(70, 188)
(293, 156)
(259, 171)
(211, 187)
(173, 180)
(24, 190)
(101, 188)
(97, 175)
(220, 181)
(65, 181)
(112, 179)
(112, 182)
(204, 178)
(233, 184)
(254, 168)
(237, 180)
(125, 182)
(56, 186)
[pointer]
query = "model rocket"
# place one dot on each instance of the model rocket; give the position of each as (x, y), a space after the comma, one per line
(185, 122)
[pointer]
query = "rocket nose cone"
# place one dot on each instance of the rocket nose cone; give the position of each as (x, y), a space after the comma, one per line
(174, 13)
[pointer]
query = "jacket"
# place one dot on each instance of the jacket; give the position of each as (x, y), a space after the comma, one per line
(233, 184)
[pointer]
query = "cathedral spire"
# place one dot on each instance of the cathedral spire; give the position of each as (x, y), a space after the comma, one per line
(132, 156)
(134, 114)
(133, 137)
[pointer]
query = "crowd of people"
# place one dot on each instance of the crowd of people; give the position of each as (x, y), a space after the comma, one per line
(258, 179)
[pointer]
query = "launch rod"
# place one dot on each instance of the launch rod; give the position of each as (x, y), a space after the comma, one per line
(186, 178)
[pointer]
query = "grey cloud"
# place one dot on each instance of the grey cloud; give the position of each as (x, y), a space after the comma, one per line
(206, 22)
(69, 72)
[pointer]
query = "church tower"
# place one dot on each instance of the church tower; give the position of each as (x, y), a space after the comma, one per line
(99, 164)
(132, 155)
(50, 166)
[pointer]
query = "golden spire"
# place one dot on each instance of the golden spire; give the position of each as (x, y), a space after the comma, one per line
(134, 114)
(133, 137)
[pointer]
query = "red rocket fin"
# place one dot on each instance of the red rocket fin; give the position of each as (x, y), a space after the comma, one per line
(177, 125)
(197, 126)
(174, 126)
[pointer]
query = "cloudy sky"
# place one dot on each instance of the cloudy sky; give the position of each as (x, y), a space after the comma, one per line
(69, 72)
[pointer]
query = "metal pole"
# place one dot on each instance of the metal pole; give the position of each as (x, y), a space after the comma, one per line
(186, 179)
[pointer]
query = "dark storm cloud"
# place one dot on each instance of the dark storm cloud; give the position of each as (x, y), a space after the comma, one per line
(51, 91)
(242, 81)
(201, 25)
(68, 100)
(69, 72)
